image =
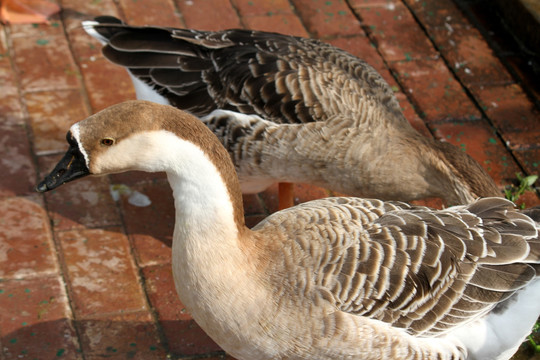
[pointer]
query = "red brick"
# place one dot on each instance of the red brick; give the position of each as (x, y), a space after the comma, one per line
(267, 7)
(51, 115)
(107, 83)
(480, 141)
(26, 247)
(521, 140)
(84, 202)
(18, 173)
(288, 24)
(45, 63)
(75, 11)
(324, 18)
(35, 319)
(522, 67)
(10, 105)
(208, 14)
(434, 90)
(396, 32)
(372, 3)
(529, 159)
(440, 13)
(508, 107)
(150, 12)
(85, 48)
(101, 274)
(125, 336)
(53, 28)
(151, 227)
(470, 56)
(184, 336)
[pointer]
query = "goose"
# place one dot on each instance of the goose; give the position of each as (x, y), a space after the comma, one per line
(334, 278)
(293, 110)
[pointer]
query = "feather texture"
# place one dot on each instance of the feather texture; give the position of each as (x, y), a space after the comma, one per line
(318, 114)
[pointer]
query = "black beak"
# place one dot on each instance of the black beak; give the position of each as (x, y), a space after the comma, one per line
(71, 167)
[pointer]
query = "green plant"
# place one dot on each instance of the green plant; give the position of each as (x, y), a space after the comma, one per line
(513, 192)
(531, 341)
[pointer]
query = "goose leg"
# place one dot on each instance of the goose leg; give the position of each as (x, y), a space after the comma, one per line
(285, 195)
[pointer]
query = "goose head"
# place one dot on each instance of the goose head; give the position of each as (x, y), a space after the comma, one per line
(107, 143)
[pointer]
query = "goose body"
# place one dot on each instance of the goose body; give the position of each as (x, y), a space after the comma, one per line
(336, 278)
(291, 109)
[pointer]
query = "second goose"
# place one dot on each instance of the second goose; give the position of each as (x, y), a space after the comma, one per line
(291, 109)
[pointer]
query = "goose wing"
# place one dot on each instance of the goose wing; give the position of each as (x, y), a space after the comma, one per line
(281, 78)
(416, 268)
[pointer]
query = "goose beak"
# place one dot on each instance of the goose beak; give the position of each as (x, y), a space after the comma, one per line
(71, 167)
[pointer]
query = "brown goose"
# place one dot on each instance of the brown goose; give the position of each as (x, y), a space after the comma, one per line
(294, 110)
(338, 278)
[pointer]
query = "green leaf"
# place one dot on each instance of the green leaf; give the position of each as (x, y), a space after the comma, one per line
(530, 180)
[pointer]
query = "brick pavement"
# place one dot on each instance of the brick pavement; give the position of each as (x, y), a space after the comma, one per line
(85, 275)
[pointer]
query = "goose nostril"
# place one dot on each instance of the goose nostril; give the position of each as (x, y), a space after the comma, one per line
(61, 172)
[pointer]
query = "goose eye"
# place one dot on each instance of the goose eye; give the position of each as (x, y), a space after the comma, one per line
(107, 141)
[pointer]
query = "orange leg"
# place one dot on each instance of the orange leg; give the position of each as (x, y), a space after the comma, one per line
(26, 11)
(286, 195)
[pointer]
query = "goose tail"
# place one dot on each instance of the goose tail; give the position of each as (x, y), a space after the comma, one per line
(100, 33)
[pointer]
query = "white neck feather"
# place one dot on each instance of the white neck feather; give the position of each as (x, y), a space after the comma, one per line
(207, 258)
(204, 211)
(76, 132)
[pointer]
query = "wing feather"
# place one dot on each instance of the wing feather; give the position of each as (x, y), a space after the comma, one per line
(416, 268)
(238, 66)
